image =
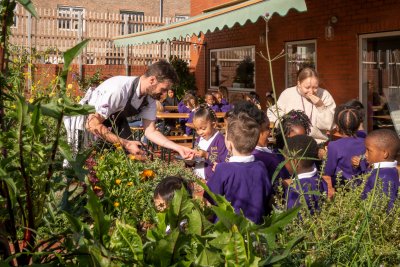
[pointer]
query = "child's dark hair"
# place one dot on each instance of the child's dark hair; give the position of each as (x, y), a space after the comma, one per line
(388, 140)
(347, 120)
(290, 119)
(166, 187)
(354, 103)
(204, 111)
(243, 131)
(302, 146)
(252, 110)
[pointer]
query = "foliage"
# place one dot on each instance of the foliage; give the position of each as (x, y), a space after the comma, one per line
(187, 81)
(348, 231)
(87, 81)
(245, 73)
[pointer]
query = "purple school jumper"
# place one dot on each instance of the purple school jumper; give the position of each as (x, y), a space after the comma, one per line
(389, 175)
(309, 181)
(245, 184)
(217, 152)
(215, 108)
(271, 162)
(339, 157)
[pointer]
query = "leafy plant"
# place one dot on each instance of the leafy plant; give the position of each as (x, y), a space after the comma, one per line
(187, 80)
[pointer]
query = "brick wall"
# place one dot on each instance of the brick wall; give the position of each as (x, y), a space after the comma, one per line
(337, 59)
(149, 7)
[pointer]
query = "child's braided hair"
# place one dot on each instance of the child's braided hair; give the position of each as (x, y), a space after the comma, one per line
(290, 119)
(347, 120)
(204, 111)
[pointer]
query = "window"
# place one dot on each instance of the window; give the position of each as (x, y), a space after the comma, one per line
(135, 21)
(233, 68)
(180, 17)
(299, 55)
(68, 18)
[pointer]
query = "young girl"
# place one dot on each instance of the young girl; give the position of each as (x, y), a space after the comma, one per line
(223, 106)
(210, 143)
(187, 105)
(210, 101)
(342, 150)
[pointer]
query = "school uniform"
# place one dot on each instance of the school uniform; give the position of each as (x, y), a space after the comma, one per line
(217, 152)
(339, 157)
(245, 184)
(389, 176)
(224, 106)
(271, 161)
(182, 108)
(361, 134)
(309, 181)
(215, 107)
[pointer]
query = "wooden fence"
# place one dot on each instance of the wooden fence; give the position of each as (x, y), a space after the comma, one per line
(56, 31)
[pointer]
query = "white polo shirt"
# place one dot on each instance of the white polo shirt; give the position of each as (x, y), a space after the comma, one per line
(112, 96)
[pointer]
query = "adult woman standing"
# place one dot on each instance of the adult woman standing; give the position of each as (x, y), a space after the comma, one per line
(317, 103)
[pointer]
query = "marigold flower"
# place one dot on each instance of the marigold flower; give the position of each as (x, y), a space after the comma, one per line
(129, 184)
(116, 204)
(132, 157)
(31, 100)
(146, 174)
(102, 157)
(69, 86)
(118, 181)
(97, 187)
(117, 145)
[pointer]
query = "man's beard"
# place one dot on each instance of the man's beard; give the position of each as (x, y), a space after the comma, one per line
(153, 95)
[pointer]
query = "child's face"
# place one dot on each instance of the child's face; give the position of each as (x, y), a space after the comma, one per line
(218, 97)
(296, 130)
(373, 153)
(204, 128)
(209, 100)
(170, 93)
(264, 134)
(160, 203)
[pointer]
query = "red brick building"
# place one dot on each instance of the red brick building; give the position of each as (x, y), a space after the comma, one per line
(354, 45)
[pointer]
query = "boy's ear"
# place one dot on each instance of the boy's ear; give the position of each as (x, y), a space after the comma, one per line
(386, 154)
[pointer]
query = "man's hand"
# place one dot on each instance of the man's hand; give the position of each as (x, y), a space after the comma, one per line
(133, 147)
(186, 152)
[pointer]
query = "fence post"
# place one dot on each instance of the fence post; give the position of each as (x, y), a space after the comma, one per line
(29, 35)
(80, 34)
(126, 50)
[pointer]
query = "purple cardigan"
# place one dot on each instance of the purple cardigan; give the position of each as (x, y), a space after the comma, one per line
(390, 183)
(271, 162)
(217, 152)
(339, 157)
(245, 185)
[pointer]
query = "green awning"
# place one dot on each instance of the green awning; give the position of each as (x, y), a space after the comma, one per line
(212, 21)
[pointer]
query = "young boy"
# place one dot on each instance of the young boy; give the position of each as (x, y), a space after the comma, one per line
(382, 147)
(243, 181)
(302, 149)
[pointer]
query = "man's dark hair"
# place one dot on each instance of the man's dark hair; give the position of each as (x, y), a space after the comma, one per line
(167, 187)
(243, 131)
(386, 139)
(162, 70)
(302, 146)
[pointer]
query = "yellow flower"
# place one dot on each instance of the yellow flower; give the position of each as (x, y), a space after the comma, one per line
(102, 157)
(13, 106)
(52, 94)
(116, 204)
(132, 157)
(117, 145)
(118, 181)
(69, 86)
(146, 174)
(31, 100)
(129, 184)
(78, 98)
(97, 187)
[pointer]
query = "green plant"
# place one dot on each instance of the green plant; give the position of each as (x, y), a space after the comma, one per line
(245, 73)
(86, 81)
(187, 80)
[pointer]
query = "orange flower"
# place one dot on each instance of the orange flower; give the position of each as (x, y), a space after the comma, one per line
(132, 157)
(146, 174)
(129, 184)
(96, 187)
(117, 145)
(118, 181)
(116, 204)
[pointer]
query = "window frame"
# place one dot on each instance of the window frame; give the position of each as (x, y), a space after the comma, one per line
(231, 88)
(71, 18)
(297, 43)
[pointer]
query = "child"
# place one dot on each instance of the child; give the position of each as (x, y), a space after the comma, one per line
(171, 99)
(165, 190)
(210, 101)
(298, 148)
(189, 105)
(223, 90)
(210, 142)
(341, 151)
(382, 147)
(357, 105)
(223, 106)
(262, 153)
(243, 181)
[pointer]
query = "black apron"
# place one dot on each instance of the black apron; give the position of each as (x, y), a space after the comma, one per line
(118, 121)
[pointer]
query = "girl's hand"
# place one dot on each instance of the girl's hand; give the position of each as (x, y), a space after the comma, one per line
(214, 166)
(355, 161)
(201, 153)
